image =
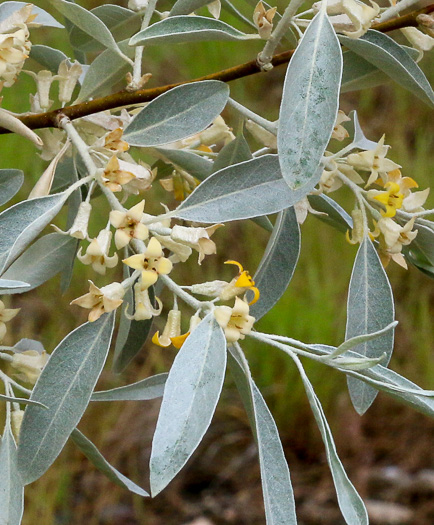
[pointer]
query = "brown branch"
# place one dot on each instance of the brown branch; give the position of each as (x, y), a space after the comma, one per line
(125, 98)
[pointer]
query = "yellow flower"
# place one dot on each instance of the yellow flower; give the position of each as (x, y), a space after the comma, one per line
(128, 225)
(101, 300)
(236, 322)
(391, 198)
(152, 263)
(6, 315)
(239, 284)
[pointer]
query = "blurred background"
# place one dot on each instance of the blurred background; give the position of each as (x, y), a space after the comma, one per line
(388, 452)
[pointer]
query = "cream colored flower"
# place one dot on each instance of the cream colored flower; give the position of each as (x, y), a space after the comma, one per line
(374, 161)
(394, 236)
(418, 40)
(172, 330)
(263, 20)
(262, 135)
(236, 322)
(196, 238)
(361, 15)
(358, 231)
(30, 364)
(152, 263)
(97, 253)
(43, 79)
(81, 221)
(339, 132)
(330, 180)
(16, 421)
(143, 307)
(101, 300)
(128, 225)
(6, 315)
(68, 76)
(113, 141)
(239, 284)
(114, 177)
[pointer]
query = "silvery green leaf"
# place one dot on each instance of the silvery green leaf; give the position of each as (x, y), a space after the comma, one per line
(121, 22)
(178, 114)
(356, 363)
(22, 223)
(65, 175)
(359, 339)
(350, 503)
(359, 139)
(186, 7)
(65, 387)
(9, 287)
(144, 390)
(331, 212)
(11, 486)
(21, 400)
(43, 260)
(10, 182)
(276, 483)
(387, 55)
(424, 241)
(387, 380)
(87, 22)
(51, 58)
(196, 165)
(249, 189)
(278, 263)
(179, 29)
(234, 152)
(43, 18)
(190, 398)
(370, 308)
(309, 103)
(95, 456)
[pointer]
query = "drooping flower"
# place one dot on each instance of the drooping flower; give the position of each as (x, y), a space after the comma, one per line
(239, 285)
(196, 238)
(68, 75)
(101, 300)
(236, 322)
(420, 41)
(339, 132)
(128, 225)
(392, 238)
(97, 253)
(6, 315)
(143, 307)
(29, 364)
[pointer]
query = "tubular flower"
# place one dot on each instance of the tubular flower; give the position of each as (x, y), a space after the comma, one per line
(16, 421)
(196, 238)
(391, 198)
(236, 322)
(6, 315)
(358, 231)
(263, 20)
(152, 263)
(339, 132)
(374, 161)
(68, 76)
(114, 177)
(81, 221)
(101, 300)
(171, 331)
(97, 253)
(30, 364)
(143, 307)
(393, 238)
(128, 225)
(239, 284)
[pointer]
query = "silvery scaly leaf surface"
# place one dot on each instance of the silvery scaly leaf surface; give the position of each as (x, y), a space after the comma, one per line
(9, 287)
(249, 189)
(22, 223)
(43, 260)
(21, 400)
(360, 74)
(387, 55)
(87, 22)
(370, 308)
(43, 18)
(95, 456)
(11, 486)
(49, 57)
(10, 182)
(309, 103)
(144, 390)
(335, 215)
(180, 29)
(195, 165)
(278, 263)
(388, 381)
(424, 241)
(178, 114)
(65, 387)
(121, 22)
(234, 152)
(276, 483)
(190, 398)
(350, 503)
(186, 7)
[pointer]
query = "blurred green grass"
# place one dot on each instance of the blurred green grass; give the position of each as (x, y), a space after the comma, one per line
(312, 309)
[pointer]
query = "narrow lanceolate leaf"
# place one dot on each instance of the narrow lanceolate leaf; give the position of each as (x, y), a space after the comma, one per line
(178, 114)
(43, 260)
(199, 167)
(87, 22)
(309, 103)
(350, 503)
(190, 397)
(22, 223)
(95, 456)
(387, 55)
(276, 483)
(278, 263)
(179, 29)
(370, 308)
(65, 387)
(10, 287)
(249, 189)
(332, 213)
(10, 182)
(144, 390)
(21, 400)
(360, 339)
(186, 7)
(11, 486)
